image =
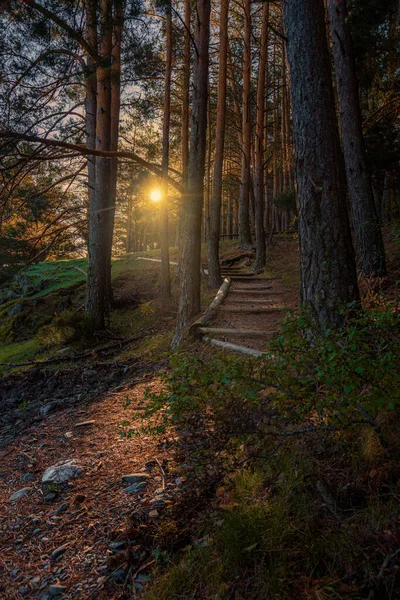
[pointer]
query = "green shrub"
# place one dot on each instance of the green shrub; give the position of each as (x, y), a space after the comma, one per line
(326, 377)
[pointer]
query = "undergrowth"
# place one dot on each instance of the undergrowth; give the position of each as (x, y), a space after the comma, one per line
(308, 438)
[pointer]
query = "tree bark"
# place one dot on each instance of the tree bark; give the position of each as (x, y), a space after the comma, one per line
(90, 8)
(245, 240)
(327, 262)
(259, 149)
(214, 269)
(185, 117)
(165, 279)
(369, 247)
(118, 22)
(189, 301)
(97, 280)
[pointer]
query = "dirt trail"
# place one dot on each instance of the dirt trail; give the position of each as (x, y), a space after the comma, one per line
(75, 536)
(254, 305)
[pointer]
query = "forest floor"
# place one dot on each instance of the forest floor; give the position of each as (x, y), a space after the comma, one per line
(195, 516)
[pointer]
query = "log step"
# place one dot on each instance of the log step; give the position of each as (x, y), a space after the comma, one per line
(251, 278)
(253, 288)
(237, 309)
(234, 347)
(255, 291)
(257, 301)
(244, 332)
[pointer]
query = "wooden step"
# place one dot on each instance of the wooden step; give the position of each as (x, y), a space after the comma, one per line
(252, 288)
(251, 278)
(241, 332)
(257, 301)
(239, 309)
(256, 291)
(234, 347)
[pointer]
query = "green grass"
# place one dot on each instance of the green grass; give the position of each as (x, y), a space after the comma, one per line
(18, 352)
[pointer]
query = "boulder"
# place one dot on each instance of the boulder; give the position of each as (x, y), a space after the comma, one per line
(62, 472)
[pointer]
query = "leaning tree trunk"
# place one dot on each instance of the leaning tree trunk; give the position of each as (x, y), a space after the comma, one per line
(165, 279)
(327, 263)
(259, 149)
(369, 246)
(98, 246)
(189, 301)
(214, 269)
(244, 215)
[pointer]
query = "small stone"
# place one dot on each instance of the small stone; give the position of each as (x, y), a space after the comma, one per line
(48, 408)
(50, 497)
(20, 494)
(159, 491)
(135, 478)
(135, 488)
(62, 472)
(22, 590)
(35, 580)
(62, 508)
(36, 531)
(153, 513)
(120, 575)
(27, 477)
(156, 503)
(15, 310)
(56, 589)
(89, 373)
(58, 551)
(68, 435)
(117, 545)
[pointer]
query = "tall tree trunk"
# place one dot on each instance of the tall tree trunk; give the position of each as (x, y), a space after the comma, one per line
(90, 8)
(185, 116)
(165, 280)
(214, 269)
(189, 301)
(245, 240)
(98, 247)
(259, 149)
(369, 247)
(275, 171)
(118, 21)
(327, 263)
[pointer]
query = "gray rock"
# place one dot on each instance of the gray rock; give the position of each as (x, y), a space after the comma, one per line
(135, 478)
(62, 508)
(48, 408)
(62, 472)
(27, 477)
(15, 310)
(135, 488)
(56, 589)
(50, 497)
(58, 551)
(20, 494)
(89, 373)
(35, 580)
(116, 546)
(120, 575)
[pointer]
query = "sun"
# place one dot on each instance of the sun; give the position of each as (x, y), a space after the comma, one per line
(155, 195)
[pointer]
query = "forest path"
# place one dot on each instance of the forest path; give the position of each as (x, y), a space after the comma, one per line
(76, 535)
(250, 314)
